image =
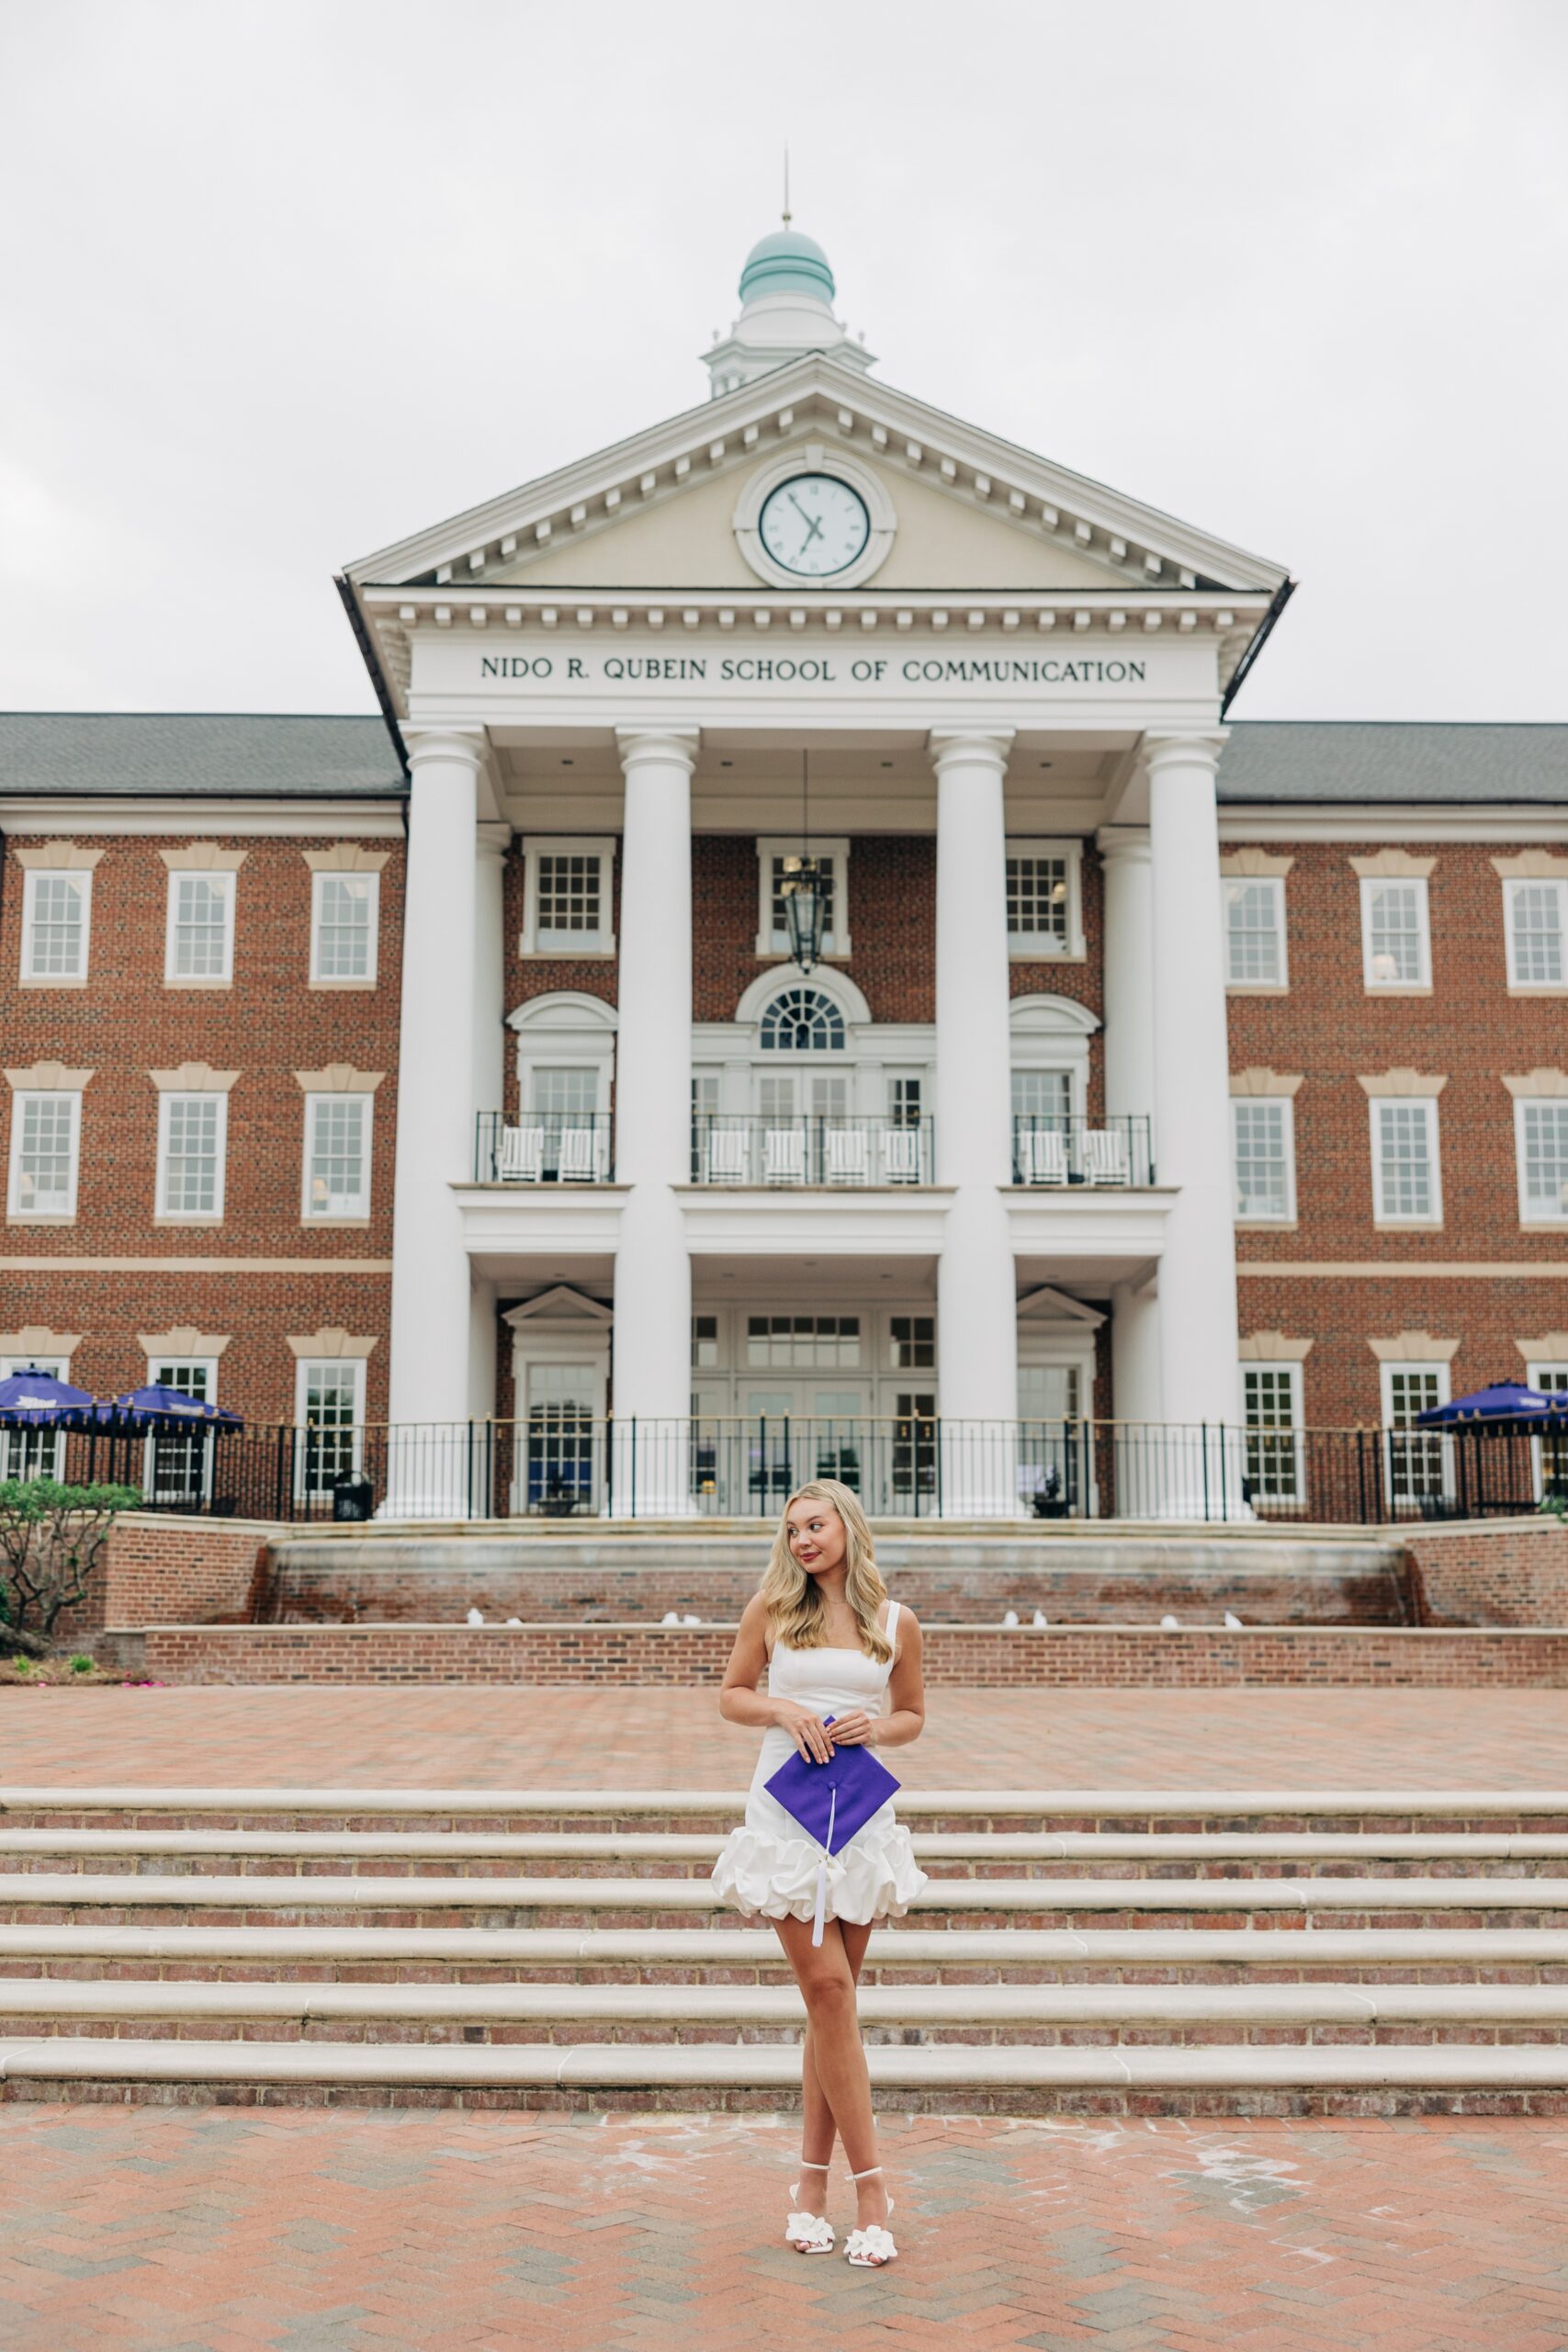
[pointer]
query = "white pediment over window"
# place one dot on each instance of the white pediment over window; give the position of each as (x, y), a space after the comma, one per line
(561, 1304)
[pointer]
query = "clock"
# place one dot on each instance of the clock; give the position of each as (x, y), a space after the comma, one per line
(814, 526)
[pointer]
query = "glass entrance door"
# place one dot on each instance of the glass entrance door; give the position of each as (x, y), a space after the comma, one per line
(560, 1473)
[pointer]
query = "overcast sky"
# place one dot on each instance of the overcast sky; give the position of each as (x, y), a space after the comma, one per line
(284, 282)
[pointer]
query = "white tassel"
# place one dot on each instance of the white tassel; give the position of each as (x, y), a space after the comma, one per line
(817, 1923)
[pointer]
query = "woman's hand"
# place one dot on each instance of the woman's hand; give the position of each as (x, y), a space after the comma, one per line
(856, 1729)
(811, 1739)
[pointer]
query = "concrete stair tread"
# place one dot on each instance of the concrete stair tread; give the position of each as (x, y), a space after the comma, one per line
(1230, 1803)
(31, 1888)
(725, 2065)
(912, 2005)
(1083, 1844)
(752, 1947)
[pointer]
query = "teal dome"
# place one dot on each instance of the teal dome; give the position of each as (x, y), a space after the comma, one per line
(786, 263)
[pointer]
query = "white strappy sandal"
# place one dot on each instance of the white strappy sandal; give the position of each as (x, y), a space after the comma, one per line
(808, 2233)
(873, 2248)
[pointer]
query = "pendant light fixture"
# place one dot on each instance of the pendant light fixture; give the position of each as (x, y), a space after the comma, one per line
(804, 886)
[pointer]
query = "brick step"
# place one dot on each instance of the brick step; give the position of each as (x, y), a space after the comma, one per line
(1033, 1812)
(37, 1896)
(676, 1854)
(1157, 2078)
(564, 2016)
(354, 1954)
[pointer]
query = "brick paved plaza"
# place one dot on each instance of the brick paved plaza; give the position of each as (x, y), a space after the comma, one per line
(208, 2231)
(438, 1737)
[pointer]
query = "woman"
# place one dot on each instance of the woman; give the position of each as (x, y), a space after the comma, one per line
(832, 1644)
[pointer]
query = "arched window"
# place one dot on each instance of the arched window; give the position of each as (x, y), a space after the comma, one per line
(802, 1021)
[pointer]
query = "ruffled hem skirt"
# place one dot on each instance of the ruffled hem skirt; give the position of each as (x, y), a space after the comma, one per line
(766, 1872)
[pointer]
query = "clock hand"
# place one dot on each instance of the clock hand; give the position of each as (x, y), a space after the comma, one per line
(813, 526)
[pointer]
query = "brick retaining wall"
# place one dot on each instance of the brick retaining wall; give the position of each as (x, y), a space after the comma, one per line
(981, 1657)
(175, 1571)
(1117, 1579)
(1514, 1572)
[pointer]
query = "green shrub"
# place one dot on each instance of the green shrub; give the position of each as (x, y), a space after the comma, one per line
(81, 1663)
(50, 1540)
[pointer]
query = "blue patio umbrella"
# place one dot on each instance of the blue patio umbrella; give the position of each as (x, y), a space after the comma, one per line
(160, 1408)
(37, 1400)
(1509, 1406)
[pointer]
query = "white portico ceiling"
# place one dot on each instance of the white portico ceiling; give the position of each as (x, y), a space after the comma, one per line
(1099, 558)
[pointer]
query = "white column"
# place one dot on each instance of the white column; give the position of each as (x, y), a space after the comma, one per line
(427, 1473)
(1199, 1378)
(652, 1338)
(1129, 1092)
(977, 1292)
(491, 842)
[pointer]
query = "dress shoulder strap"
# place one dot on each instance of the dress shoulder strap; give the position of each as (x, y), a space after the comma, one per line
(891, 1628)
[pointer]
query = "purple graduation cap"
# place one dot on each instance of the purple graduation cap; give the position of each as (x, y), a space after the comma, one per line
(831, 1802)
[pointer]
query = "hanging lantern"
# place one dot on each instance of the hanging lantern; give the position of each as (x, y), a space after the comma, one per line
(803, 887)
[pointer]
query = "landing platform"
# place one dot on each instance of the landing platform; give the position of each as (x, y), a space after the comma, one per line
(434, 1736)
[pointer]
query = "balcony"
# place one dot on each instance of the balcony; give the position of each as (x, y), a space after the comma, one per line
(544, 1147)
(1056, 1151)
(732, 1150)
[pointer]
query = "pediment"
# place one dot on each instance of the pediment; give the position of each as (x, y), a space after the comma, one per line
(560, 1304)
(1048, 1305)
(655, 513)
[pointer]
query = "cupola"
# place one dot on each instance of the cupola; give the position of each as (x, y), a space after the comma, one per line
(786, 299)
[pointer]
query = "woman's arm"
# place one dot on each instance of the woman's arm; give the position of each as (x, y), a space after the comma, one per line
(740, 1702)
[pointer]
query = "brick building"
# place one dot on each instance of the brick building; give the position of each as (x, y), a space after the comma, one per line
(457, 1064)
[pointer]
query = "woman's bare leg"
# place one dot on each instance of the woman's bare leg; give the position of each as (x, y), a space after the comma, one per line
(818, 2128)
(827, 1979)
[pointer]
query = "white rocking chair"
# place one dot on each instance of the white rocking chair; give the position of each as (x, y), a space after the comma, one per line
(522, 1157)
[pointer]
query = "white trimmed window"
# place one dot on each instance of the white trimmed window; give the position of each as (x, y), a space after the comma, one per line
(178, 1468)
(1550, 1450)
(1419, 1462)
(1396, 947)
(1263, 1139)
(344, 908)
(1271, 1397)
(1255, 932)
(193, 1133)
(772, 871)
(1540, 1132)
(337, 1154)
(33, 1452)
(329, 1407)
(200, 948)
(56, 917)
(1534, 914)
(46, 1131)
(1045, 900)
(1407, 1188)
(567, 901)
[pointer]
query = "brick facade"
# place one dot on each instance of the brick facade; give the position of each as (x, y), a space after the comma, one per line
(1328, 1029)
(104, 1272)
(104, 1276)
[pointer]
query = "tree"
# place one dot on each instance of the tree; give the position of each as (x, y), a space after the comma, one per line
(50, 1538)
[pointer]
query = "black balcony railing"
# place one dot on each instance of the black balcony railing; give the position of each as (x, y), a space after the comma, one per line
(1058, 1149)
(731, 1148)
(562, 1461)
(543, 1147)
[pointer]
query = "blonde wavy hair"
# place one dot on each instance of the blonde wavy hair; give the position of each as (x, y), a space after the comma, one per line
(797, 1611)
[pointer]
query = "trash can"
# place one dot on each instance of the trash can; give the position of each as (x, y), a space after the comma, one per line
(351, 1498)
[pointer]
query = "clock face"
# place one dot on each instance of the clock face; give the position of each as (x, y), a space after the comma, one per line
(815, 525)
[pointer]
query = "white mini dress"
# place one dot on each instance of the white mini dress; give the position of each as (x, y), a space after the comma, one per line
(767, 1869)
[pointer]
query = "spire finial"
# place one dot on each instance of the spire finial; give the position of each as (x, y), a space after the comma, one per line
(787, 215)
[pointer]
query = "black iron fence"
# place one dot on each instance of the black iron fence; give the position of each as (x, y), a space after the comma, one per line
(560, 1462)
(1057, 1149)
